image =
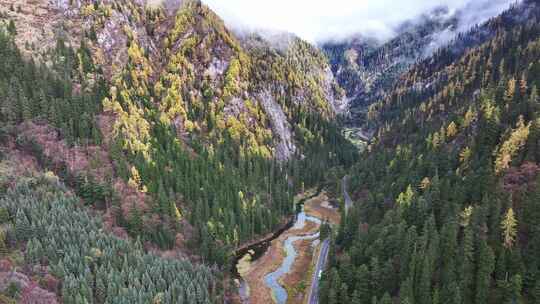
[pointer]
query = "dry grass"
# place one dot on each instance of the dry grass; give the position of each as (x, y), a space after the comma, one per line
(254, 273)
(296, 281)
(319, 207)
(269, 262)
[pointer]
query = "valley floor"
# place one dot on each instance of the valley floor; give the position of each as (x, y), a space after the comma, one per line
(297, 281)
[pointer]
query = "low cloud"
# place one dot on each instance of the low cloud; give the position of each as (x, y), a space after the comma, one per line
(319, 21)
(474, 12)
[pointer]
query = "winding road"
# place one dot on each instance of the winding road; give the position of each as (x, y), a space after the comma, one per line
(313, 297)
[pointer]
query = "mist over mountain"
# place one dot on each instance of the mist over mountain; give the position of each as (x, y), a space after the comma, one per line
(367, 67)
(323, 21)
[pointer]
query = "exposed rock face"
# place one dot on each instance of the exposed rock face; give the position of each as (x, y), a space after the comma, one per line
(69, 8)
(216, 69)
(38, 22)
(337, 100)
(112, 41)
(280, 126)
(366, 69)
(186, 48)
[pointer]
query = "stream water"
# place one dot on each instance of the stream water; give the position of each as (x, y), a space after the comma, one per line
(257, 250)
(272, 279)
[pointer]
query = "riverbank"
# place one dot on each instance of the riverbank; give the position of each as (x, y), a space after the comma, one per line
(321, 208)
(300, 199)
(296, 280)
(254, 275)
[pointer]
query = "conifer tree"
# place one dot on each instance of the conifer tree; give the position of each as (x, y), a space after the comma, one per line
(486, 262)
(362, 284)
(22, 227)
(3, 246)
(4, 215)
(386, 299)
(467, 264)
(12, 30)
(356, 299)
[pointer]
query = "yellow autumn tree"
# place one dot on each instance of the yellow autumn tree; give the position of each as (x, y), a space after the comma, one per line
(405, 198)
(469, 118)
(232, 75)
(465, 216)
(130, 125)
(464, 156)
(510, 91)
(509, 229)
(135, 180)
(451, 130)
(512, 145)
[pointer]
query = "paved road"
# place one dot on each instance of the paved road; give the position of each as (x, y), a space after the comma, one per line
(313, 297)
(346, 196)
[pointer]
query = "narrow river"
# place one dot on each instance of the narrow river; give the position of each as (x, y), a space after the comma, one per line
(272, 279)
(253, 261)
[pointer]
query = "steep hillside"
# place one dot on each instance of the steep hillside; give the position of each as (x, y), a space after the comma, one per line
(367, 69)
(70, 256)
(162, 119)
(447, 194)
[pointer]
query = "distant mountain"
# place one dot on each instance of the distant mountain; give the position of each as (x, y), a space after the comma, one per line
(367, 69)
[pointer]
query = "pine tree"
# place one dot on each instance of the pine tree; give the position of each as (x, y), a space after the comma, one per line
(4, 215)
(344, 294)
(9, 106)
(12, 29)
(448, 267)
(101, 290)
(386, 299)
(406, 292)
(486, 260)
(22, 227)
(3, 247)
(467, 266)
(536, 292)
(356, 299)
(435, 298)
(516, 288)
(362, 283)
(424, 288)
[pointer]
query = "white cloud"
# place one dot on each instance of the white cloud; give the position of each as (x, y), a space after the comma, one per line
(320, 20)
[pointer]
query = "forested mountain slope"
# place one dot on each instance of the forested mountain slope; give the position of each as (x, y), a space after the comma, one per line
(69, 252)
(368, 69)
(167, 126)
(447, 195)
